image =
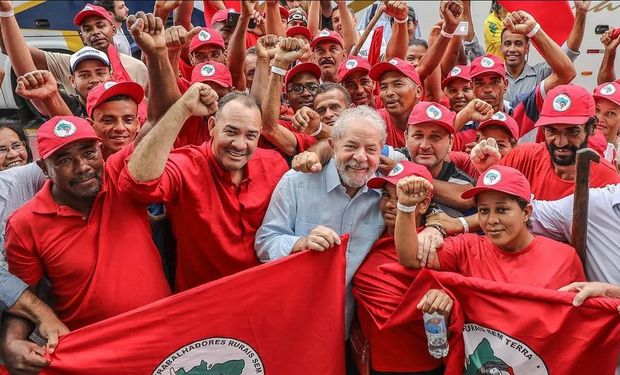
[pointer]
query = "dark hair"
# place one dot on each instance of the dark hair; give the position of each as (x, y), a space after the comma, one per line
(330, 86)
(105, 4)
(513, 141)
(590, 125)
(520, 201)
(251, 51)
(418, 42)
(501, 37)
(351, 10)
(21, 134)
(119, 97)
(242, 97)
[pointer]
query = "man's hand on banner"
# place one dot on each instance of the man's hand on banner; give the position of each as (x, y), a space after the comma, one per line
(23, 357)
(591, 289)
(436, 300)
(320, 238)
(429, 240)
(50, 328)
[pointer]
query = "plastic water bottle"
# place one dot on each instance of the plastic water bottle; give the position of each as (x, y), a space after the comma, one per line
(436, 334)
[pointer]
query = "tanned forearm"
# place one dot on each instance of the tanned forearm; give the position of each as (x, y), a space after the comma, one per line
(398, 43)
(278, 135)
(606, 72)
(406, 239)
(261, 79)
(349, 34)
(563, 69)
(450, 194)
(236, 52)
(273, 22)
(576, 34)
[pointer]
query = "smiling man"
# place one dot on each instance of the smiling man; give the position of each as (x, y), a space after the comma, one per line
(216, 194)
(328, 52)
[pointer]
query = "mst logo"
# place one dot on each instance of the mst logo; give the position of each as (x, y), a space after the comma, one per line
(488, 351)
(212, 356)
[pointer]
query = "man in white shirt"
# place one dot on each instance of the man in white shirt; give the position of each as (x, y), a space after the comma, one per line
(119, 12)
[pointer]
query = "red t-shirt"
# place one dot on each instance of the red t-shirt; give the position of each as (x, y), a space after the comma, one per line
(401, 349)
(462, 160)
(543, 263)
(463, 138)
(395, 136)
(304, 141)
(534, 161)
(213, 220)
(99, 265)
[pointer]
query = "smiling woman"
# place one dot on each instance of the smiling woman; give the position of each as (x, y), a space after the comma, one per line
(14, 147)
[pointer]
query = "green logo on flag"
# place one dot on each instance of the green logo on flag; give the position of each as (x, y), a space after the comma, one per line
(233, 367)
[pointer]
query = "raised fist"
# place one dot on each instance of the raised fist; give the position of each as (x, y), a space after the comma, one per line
(6, 6)
(200, 100)
(485, 154)
(396, 9)
(413, 190)
(266, 46)
(148, 32)
(451, 11)
(38, 84)
(288, 51)
(609, 41)
(307, 162)
(306, 120)
(478, 110)
(519, 22)
(177, 37)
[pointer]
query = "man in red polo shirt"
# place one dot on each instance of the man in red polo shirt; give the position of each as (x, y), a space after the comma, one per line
(69, 233)
(216, 194)
(567, 121)
(353, 75)
(328, 52)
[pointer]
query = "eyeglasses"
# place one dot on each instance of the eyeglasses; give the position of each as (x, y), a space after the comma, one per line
(298, 89)
(17, 147)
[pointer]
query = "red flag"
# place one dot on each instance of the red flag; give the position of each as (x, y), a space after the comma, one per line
(120, 74)
(555, 17)
(283, 317)
(374, 52)
(515, 328)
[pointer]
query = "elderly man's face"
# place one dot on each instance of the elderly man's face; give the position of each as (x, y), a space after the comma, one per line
(356, 153)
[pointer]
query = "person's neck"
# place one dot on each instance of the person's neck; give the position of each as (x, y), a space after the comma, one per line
(82, 205)
(400, 120)
(501, 107)
(515, 71)
(351, 191)
(523, 240)
(237, 176)
(435, 169)
(328, 77)
(567, 172)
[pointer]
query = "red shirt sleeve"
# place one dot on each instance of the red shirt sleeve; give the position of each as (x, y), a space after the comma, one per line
(23, 262)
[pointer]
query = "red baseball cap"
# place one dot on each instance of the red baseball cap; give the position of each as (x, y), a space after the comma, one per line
(221, 15)
(394, 65)
(351, 65)
(487, 64)
(106, 90)
(91, 10)
(503, 179)
(567, 104)
(59, 131)
(309, 67)
(432, 113)
(283, 12)
(401, 170)
(503, 120)
(212, 71)
(299, 30)
(609, 91)
(297, 14)
(206, 37)
(458, 72)
(327, 35)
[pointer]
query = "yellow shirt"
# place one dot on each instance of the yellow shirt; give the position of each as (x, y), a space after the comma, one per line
(493, 27)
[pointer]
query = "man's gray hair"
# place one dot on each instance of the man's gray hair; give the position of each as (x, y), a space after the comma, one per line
(358, 116)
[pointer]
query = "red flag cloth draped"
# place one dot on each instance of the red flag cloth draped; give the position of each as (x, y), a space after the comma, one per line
(283, 317)
(517, 329)
(374, 52)
(555, 17)
(121, 75)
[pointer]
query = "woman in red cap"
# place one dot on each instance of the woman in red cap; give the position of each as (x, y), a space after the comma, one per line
(508, 252)
(401, 350)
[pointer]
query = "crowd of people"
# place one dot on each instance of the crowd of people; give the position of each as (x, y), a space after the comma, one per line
(278, 130)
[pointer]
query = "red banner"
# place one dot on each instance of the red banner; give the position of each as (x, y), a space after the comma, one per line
(555, 17)
(516, 329)
(283, 317)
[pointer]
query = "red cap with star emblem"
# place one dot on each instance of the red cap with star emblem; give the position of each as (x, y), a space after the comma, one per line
(487, 64)
(567, 105)
(394, 65)
(327, 36)
(401, 170)
(91, 10)
(59, 131)
(432, 113)
(503, 179)
(458, 72)
(212, 71)
(503, 120)
(609, 91)
(351, 65)
(206, 37)
(109, 89)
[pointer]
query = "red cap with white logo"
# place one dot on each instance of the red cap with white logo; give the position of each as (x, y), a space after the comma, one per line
(299, 30)
(567, 105)
(487, 64)
(308, 67)
(91, 10)
(212, 71)
(458, 72)
(394, 65)
(327, 36)
(351, 65)
(503, 120)
(206, 37)
(109, 89)
(609, 91)
(503, 179)
(432, 113)
(59, 131)
(401, 170)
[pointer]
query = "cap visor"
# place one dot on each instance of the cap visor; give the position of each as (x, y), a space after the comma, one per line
(450, 129)
(377, 71)
(481, 189)
(561, 120)
(132, 89)
(377, 182)
(52, 151)
(353, 71)
(323, 39)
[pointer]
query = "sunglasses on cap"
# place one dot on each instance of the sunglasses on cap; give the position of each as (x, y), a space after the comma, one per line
(298, 89)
